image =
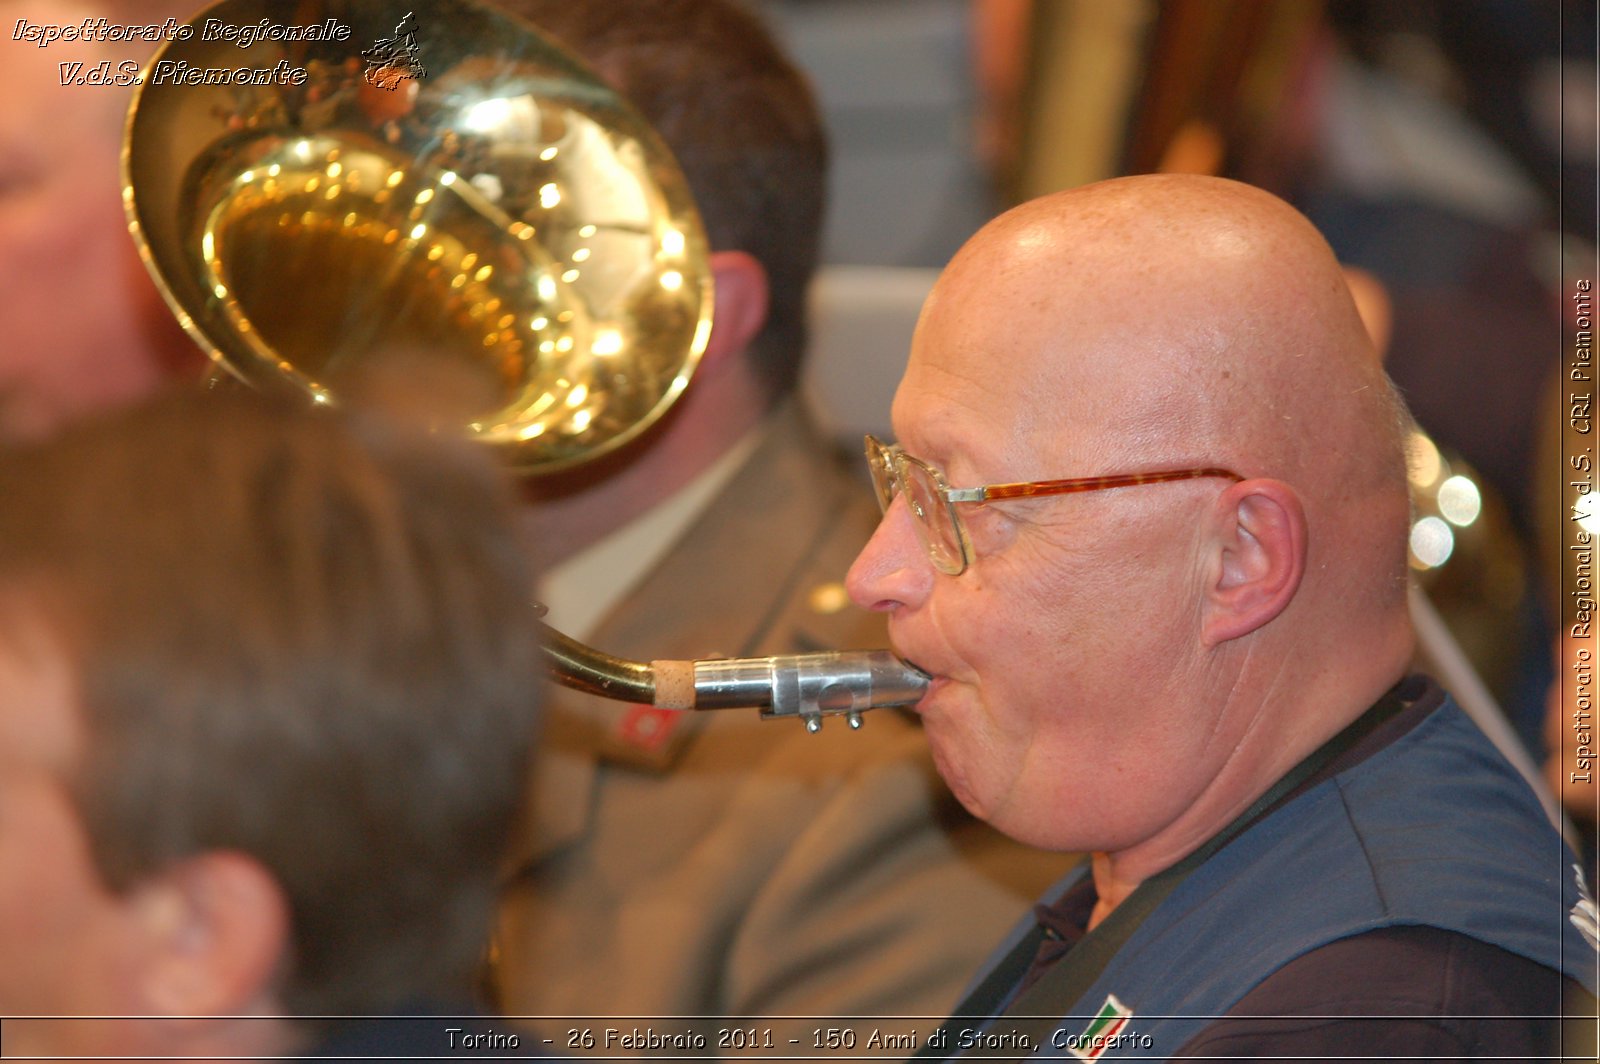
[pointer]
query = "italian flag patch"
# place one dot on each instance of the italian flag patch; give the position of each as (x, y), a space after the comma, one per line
(1102, 1031)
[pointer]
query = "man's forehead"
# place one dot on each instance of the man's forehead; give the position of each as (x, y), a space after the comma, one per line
(941, 400)
(1001, 375)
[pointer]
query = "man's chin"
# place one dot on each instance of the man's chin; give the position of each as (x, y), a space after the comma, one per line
(954, 776)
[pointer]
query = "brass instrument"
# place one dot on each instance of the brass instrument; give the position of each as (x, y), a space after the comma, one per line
(367, 186)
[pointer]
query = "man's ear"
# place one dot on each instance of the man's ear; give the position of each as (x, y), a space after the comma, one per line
(217, 931)
(739, 307)
(1260, 536)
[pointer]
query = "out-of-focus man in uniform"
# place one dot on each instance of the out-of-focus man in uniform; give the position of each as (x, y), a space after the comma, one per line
(1191, 662)
(716, 864)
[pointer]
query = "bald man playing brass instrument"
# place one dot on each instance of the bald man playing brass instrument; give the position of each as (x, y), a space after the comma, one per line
(1189, 657)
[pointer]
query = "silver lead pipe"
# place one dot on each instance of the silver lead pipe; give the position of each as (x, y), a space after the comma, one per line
(806, 686)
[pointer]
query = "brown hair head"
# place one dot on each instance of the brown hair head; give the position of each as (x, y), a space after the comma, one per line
(739, 117)
(301, 635)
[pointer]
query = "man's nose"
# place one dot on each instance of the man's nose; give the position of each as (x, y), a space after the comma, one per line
(893, 569)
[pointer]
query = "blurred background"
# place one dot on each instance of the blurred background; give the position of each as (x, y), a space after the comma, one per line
(1445, 147)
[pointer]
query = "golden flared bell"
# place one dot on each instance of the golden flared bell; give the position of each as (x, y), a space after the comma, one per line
(366, 188)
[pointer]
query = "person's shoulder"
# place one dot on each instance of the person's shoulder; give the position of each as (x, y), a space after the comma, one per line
(1396, 992)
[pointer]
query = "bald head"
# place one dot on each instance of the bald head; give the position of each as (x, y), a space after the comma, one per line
(1173, 320)
(1218, 306)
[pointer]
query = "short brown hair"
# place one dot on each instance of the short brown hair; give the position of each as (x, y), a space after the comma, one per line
(302, 635)
(742, 122)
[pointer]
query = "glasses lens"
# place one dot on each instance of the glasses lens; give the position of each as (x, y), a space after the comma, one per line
(880, 465)
(935, 521)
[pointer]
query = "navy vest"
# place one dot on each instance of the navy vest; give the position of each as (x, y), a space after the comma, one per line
(1435, 829)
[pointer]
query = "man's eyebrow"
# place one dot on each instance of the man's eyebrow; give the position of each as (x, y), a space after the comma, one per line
(934, 437)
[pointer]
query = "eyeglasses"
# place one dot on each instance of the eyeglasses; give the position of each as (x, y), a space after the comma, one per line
(933, 503)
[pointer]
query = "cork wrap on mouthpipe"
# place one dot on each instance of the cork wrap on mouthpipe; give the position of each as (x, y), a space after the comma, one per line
(674, 684)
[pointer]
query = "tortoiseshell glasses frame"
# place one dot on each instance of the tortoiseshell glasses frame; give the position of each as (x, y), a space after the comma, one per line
(933, 502)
